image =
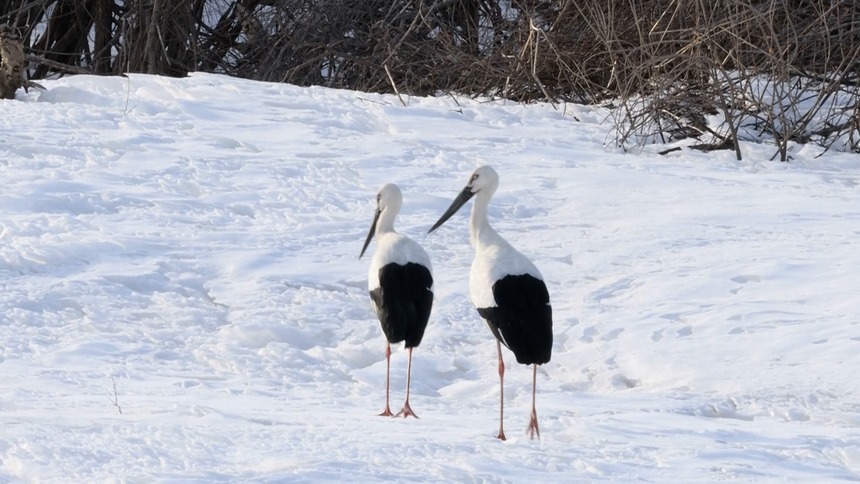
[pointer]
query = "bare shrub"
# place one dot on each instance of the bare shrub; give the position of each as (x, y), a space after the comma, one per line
(772, 71)
(780, 71)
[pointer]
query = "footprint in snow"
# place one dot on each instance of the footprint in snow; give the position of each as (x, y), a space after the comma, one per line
(744, 279)
(588, 334)
(613, 334)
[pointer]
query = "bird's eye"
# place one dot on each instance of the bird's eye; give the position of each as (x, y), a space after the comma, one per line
(474, 177)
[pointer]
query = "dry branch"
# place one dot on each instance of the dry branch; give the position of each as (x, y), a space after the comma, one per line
(675, 68)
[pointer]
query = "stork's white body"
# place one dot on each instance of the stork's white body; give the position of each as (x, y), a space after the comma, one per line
(394, 248)
(494, 259)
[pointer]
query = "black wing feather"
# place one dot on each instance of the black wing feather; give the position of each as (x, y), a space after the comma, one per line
(522, 318)
(403, 301)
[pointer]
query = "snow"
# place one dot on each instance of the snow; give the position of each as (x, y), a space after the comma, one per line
(181, 298)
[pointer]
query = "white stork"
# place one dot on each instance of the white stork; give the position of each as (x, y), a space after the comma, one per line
(506, 288)
(400, 285)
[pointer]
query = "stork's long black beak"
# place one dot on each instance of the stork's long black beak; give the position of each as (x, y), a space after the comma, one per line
(370, 234)
(458, 202)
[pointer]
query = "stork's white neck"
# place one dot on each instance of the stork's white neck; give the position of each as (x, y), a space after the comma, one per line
(385, 224)
(481, 231)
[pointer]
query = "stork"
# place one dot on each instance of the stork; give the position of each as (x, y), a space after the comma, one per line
(507, 290)
(400, 284)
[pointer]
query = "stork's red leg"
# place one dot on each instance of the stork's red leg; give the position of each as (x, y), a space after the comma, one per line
(501, 435)
(407, 410)
(533, 429)
(387, 411)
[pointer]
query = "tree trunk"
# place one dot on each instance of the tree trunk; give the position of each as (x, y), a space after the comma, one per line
(101, 46)
(153, 58)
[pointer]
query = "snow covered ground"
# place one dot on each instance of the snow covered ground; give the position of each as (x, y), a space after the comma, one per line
(181, 298)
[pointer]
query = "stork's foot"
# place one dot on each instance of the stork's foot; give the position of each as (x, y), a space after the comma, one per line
(533, 429)
(406, 411)
(501, 435)
(386, 412)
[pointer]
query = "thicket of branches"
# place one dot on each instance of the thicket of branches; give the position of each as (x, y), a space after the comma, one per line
(780, 70)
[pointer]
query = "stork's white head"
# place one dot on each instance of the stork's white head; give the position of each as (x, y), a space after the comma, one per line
(482, 183)
(483, 180)
(389, 199)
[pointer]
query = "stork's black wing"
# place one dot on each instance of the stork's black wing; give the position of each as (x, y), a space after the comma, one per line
(522, 317)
